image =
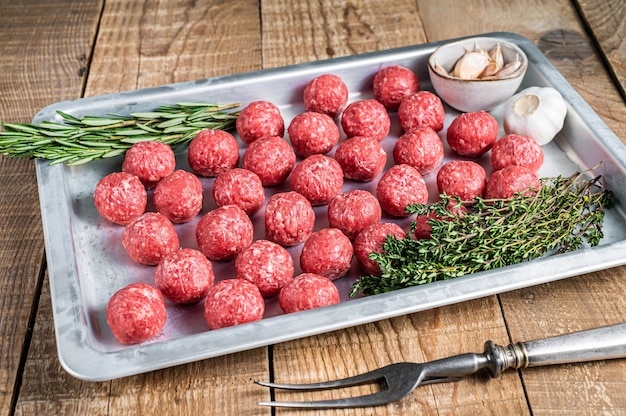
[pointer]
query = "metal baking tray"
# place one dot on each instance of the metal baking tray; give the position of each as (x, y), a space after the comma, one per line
(87, 263)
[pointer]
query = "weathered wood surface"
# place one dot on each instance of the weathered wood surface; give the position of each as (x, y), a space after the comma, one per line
(48, 57)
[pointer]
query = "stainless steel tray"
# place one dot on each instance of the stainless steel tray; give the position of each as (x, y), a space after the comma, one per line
(87, 263)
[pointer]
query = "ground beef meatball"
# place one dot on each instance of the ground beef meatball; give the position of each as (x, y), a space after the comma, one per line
(308, 291)
(213, 152)
(149, 238)
(266, 264)
(150, 162)
(224, 232)
(326, 94)
(421, 109)
(136, 313)
(392, 84)
(318, 178)
(400, 186)
(184, 276)
(271, 158)
(421, 148)
(516, 150)
(239, 187)
(361, 158)
(289, 218)
(233, 302)
(462, 178)
(120, 197)
(422, 228)
(371, 240)
(259, 119)
(508, 181)
(178, 196)
(313, 133)
(366, 118)
(472, 134)
(328, 253)
(352, 211)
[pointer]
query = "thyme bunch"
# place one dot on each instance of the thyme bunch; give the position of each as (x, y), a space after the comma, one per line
(562, 216)
(80, 140)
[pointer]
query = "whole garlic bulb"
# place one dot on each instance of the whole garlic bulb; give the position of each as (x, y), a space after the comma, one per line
(536, 112)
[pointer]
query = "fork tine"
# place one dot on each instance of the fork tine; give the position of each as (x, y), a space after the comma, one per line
(374, 399)
(369, 377)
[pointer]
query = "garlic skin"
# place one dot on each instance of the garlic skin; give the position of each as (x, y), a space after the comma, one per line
(536, 112)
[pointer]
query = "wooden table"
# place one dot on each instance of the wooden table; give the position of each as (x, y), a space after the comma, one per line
(66, 49)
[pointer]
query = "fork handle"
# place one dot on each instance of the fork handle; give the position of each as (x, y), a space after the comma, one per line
(594, 344)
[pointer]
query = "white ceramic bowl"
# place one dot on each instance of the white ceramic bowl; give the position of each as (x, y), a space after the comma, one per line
(476, 94)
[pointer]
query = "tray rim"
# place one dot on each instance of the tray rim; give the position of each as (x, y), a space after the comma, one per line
(83, 362)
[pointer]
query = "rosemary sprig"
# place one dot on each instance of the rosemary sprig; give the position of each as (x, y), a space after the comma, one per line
(563, 215)
(80, 140)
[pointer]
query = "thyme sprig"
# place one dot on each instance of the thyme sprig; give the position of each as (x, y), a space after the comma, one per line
(562, 216)
(80, 140)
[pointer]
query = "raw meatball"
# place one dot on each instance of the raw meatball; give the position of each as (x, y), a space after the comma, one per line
(328, 253)
(184, 276)
(392, 84)
(232, 302)
(506, 182)
(224, 232)
(361, 158)
(352, 211)
(421, 109)
(271, 158)
(400, 186)
(136, 313)
(516, 150)
(308, 291)
(266, 264)
(213, 152)
(318, 178)
(326, 94)
(421, 148)
(150, 162)
(259, 119)
(178, 196)
(149, 238)
(239, 187)
(119, 197)
(422, 228)
(472, 134)
(289, 218)
(312, 133)
(371, 240)
(462, 178)
(366, 118)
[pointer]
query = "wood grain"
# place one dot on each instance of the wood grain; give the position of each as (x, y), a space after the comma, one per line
(136, 48)
(144, 46)
(606, 20)
(37, 68)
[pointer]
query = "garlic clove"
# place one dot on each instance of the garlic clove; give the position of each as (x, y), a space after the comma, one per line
(496, 62)
(509, 68)
(440, 70)
(471, 64)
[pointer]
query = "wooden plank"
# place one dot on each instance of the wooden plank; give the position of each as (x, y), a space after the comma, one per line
(606, 20)
(335, 28)
(143, 44)
(303, 31)
(575, 304)
(596, 298)
(37, 68)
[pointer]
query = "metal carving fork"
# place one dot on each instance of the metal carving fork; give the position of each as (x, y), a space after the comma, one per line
(398, 380)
